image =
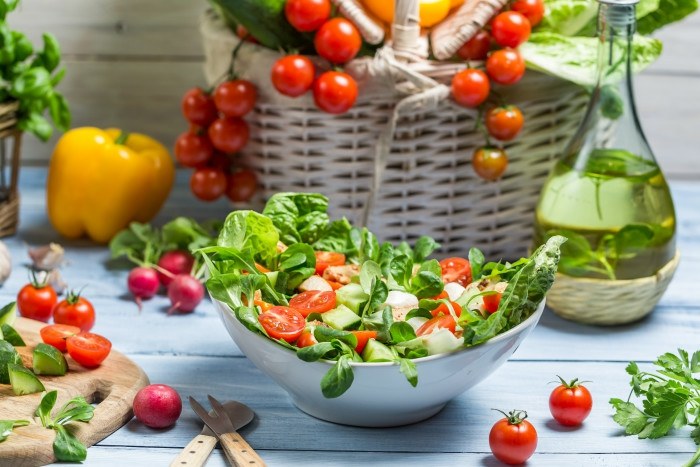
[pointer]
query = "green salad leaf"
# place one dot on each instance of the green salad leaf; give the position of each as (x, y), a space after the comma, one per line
(6, 427)
(66, 446)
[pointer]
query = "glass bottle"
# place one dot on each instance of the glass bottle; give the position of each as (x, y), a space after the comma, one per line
(607, 193)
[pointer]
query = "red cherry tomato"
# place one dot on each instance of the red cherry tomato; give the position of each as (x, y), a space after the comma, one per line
(338, 41)
(35, 301)
(470, 87)
(570, 403)
(220, 161)
(307, 15)
(335, 92)
(313, 301)
(504, 123)
(505, 66)
(476, 48)
(208, 184)
(235, 98)
(306, 339)
(282, 322)
(513, 439)
(193, 150)
(293, 75)
(491, 302)
(88, 349)
(75, 310)
(490, 163)
(56, 335)
(229, 135)
(362, 338)
(456, 270)
(328, 258)
(442, 309)
(533, 10)
(510, 29)
(198, 107)
(438, 322)
(241, 185)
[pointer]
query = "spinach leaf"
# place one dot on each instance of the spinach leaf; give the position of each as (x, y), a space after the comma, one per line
(336, 237)
(298, 217)
(401, 331)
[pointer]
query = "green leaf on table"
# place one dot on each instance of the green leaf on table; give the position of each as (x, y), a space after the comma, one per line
(6, 427)
(140, 243)
(183, 233)
(66, 447)
(45, 407)
(669, 406)
(628, 416)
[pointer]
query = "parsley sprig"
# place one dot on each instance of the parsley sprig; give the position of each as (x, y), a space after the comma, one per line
(670, 399)
(66, 446)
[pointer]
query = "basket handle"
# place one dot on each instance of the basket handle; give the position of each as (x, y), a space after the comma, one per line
(405, 31)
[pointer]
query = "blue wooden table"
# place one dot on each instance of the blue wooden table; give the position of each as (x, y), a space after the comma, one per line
(194, 354)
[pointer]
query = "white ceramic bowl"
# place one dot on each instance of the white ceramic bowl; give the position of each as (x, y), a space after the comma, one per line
(380, 395)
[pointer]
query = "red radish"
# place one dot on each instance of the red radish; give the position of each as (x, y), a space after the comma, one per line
(185, 292)
(174, 262)
(143, 283)
(157, 406)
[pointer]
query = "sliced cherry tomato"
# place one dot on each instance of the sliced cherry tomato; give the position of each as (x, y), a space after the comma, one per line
(443, 310)
(476, 48)
(505, 66)
(306, 339)
(510, 29)
(470, 87)
(198, 107)
(193, 150)
(570, 403)
(489, 163)
(35, 301)
(228, 135)
(235, 98)
(307, 15)
(335, 92)
(75, 310)
(504, 123)
(491, 302)
(241, 185)
(313, 301)
(282, 322)
(513, 439)
(338, 41)
(56, 335)
(362, 338)
(208, 184)
(441, 295)
(442, 321)
(456, 270)
(328, 258)
(533, 10)
(88, 349)
(293, 75)
(334, 285)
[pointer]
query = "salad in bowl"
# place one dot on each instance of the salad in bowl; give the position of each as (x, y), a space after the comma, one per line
(316, 291)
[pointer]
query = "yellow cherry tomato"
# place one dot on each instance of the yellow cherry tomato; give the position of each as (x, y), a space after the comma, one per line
(431, 12)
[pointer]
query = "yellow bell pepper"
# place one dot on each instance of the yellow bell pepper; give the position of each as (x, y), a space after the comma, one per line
(430, 12)
(101, 180)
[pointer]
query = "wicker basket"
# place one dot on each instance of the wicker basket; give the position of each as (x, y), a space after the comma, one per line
(400, 160)
(606, 302)
(9, 163)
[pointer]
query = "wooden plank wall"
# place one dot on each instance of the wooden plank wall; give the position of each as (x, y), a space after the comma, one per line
(129, 62)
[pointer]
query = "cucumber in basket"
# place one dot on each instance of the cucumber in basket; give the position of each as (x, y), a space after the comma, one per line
(265, 21)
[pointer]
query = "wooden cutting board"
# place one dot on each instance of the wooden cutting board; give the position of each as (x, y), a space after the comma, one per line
(112, 386)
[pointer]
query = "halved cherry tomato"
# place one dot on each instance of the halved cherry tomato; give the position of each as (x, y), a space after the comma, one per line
(443, 310)
(362, 338)
(441, 295)
(334, 285)
(88, 349)
(306, 339)
(456, 270)
(313, 301)
(328, 258)
(56, 335)
(443, 321)
(282, 322)
(491, 302)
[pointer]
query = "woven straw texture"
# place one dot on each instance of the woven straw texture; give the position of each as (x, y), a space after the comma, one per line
(606, 302)
(425, 184)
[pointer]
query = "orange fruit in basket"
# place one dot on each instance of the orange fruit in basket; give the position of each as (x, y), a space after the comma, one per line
(431, 11)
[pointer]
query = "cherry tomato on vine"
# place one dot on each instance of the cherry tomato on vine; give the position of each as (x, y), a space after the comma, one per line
(335, 92)
(243, 33)
(505, 66)
(456, 269)
(220, 161)
(282, 322)
(307, 15)
(193, 150)
(198, 107)
(228, 135)
(35, 301)
(470, 87)
(338, 41)
(88, 349)
(56, 335)
(489, 163)
(293, 75)
(533, 10)
(235, 98)
(75, 310)
(207, 183)
(476, 48)
(313, 301)
(570, 403)
(510, 29)
(241, 185)
(504, 123)
(513, 439)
